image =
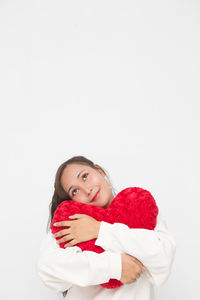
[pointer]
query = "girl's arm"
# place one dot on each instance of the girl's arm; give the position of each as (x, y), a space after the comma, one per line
(154, 248)
(61, 268)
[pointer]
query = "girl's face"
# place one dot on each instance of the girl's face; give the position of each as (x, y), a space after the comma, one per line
(86, 185)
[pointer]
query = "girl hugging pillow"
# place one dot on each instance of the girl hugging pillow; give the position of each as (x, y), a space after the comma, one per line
(133, 206)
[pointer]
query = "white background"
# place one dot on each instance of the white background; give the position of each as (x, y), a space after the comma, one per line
(117, 82)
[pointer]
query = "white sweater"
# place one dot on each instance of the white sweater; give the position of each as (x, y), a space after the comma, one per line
(81, 272)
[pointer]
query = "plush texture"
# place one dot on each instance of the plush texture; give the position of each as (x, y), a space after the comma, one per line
(132, 206)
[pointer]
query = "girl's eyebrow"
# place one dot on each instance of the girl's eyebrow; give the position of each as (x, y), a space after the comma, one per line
(77, 177)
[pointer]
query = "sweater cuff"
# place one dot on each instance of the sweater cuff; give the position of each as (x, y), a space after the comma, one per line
(104, 239)
(115, 265)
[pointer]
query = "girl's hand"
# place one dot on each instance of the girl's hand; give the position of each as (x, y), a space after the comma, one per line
(84, 228)
(131, 268)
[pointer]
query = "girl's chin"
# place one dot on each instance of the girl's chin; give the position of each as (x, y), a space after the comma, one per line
(100, 203)
(104, 204)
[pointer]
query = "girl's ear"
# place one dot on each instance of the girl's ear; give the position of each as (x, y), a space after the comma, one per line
(100, 170)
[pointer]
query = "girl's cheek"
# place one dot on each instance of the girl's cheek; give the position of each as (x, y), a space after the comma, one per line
(94, 180)
(80, 198)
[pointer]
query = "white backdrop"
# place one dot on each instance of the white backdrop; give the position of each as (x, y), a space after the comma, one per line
(117, 82)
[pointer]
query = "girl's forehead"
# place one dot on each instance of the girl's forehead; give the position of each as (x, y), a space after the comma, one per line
(73, 169)
(73, 172)
(77, 167)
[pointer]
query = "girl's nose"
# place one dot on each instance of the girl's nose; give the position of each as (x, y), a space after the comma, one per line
(88, 190)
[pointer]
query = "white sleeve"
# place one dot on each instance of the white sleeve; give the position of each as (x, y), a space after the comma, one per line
(154, 248)
(60, 268)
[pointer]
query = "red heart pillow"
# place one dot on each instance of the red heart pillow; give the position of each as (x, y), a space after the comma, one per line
(132, 206)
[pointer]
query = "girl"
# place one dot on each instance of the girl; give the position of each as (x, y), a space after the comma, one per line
(139, 258)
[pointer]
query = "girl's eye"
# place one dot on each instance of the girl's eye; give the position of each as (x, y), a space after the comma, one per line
(86, 174)
(73, 192)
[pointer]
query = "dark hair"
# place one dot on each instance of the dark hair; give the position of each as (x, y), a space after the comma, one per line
(60, 194)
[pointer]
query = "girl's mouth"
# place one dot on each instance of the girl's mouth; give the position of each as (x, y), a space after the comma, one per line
(96, 196)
